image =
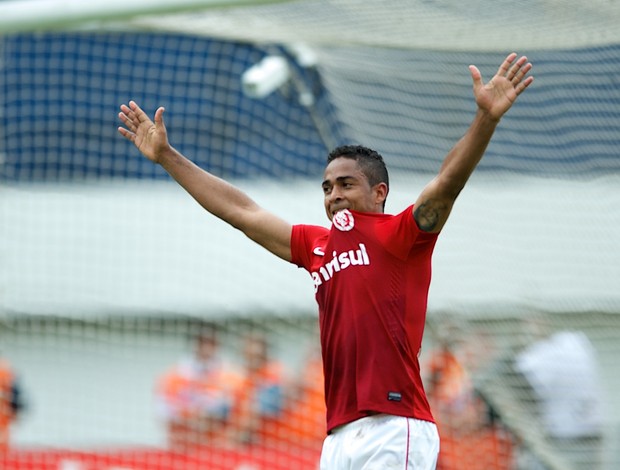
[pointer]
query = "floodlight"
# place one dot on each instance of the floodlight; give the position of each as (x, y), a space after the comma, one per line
(265, 77)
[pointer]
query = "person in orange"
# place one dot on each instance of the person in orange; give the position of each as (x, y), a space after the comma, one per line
(10, 403)
(195, 397)
(470, 440)
(306, 410)
(259, 408)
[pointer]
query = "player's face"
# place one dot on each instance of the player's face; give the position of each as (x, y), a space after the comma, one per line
(345, 186)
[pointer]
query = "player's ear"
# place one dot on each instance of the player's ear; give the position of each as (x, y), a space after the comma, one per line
(380, 191)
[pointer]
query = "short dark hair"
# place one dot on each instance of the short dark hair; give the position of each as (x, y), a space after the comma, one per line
(204, 331)
(370, 162)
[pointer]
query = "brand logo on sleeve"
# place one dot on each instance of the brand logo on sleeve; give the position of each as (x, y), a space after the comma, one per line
(343, 220)
(318, 251)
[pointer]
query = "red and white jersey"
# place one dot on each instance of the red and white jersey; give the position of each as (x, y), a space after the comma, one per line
(371, 274)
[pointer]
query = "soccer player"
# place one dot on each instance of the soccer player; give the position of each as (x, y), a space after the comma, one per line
(371, 273)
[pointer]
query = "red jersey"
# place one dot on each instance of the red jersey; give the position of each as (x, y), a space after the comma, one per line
(371, 274)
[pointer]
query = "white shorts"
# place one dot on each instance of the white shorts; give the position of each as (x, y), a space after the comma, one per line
(382, 442)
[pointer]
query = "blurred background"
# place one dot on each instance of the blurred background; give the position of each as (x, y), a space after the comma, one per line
(137, 331)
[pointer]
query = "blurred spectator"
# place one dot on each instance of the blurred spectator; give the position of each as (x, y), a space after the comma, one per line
(195, 397)
(259, 407)
(306, 411)
(562, 371)
(472, 438)
(11, 403)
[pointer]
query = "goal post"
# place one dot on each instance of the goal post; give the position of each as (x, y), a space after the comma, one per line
(43, 15)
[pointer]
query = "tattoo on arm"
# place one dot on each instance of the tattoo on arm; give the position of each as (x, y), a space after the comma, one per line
(427, 215)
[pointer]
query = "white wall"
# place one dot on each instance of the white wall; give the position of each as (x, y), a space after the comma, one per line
(511, 245)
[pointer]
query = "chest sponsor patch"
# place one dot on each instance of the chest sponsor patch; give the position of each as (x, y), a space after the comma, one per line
(340, 261)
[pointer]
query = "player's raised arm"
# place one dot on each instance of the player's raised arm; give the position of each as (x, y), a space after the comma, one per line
(217, 196)
(493, 99)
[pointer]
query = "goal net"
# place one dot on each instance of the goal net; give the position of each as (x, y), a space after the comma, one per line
(114, 283)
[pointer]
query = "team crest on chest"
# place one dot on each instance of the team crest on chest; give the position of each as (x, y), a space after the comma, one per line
(343, 220)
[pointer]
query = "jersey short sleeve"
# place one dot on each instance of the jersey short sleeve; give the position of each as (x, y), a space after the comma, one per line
(304, 240)
(400, 234)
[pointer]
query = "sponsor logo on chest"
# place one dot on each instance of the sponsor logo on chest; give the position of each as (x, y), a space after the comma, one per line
(339, 262)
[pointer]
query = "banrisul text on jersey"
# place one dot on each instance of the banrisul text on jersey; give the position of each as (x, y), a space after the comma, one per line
(340, 262)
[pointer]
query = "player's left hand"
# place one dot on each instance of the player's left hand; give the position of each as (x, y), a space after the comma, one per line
(496, 97)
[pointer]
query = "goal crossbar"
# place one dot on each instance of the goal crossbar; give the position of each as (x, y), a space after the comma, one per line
(32, 15)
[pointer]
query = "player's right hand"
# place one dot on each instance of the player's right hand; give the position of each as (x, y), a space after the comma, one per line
(151, 138)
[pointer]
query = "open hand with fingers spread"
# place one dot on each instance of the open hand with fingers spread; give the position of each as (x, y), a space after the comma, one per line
(151, 138)
(496, 96)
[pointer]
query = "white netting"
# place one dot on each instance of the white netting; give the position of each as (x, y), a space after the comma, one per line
(105, 266)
